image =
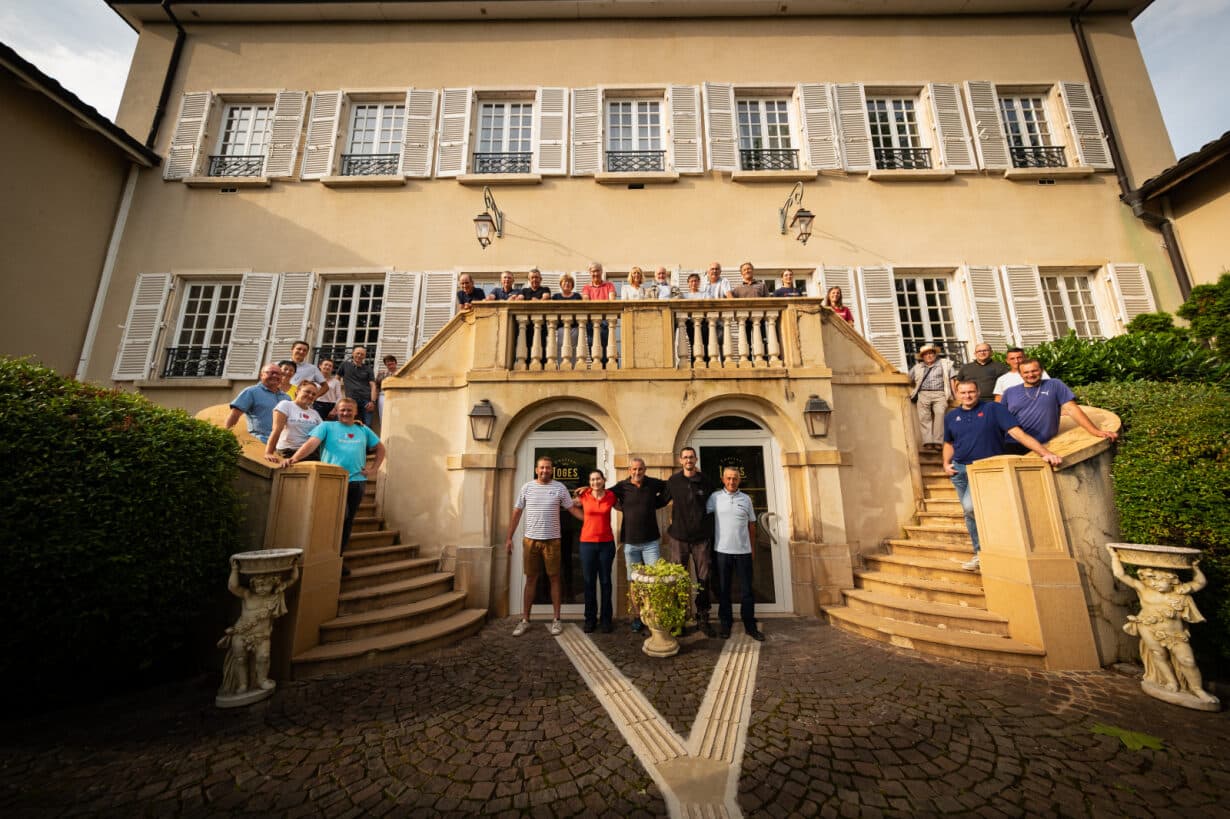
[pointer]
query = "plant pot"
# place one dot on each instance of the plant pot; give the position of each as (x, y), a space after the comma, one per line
(660, 642)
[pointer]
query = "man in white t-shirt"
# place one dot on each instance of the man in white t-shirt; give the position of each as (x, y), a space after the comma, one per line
(541, 500)
(304, 369)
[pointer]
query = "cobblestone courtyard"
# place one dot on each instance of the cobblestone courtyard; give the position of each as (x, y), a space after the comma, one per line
(504, 726)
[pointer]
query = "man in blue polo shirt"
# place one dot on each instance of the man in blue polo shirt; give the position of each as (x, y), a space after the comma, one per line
(1038, 401)
(257, 402)
(973, 431)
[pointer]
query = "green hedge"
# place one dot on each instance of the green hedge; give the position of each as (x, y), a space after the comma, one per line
(118, 519)
(1172, 484)
(1150, 356)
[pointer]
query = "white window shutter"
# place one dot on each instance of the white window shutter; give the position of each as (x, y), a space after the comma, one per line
(288, 110)
(851, 104)
(1026, 304)
(820, 148)
(840, 275)
(439, 303)
(989, 140)
(454, 153)
(684, 102)
(1133, 296)
(550, 278)
(1084, 126)
(720, 130)
(986, 301)
(882, 326)
(951, 131)
(322, 131)
(290, 315)
(418, 136)
(399, 316)
(551, 131)
(251, 327)
(137, 352)
(184, 154)
(586, 131)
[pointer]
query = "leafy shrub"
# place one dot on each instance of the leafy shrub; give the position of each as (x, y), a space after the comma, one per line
(1163, 356)
(1161, 322)
(114, 535)
(1172, 481)
(1208, 310)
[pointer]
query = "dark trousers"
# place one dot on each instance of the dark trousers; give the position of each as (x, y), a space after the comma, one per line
(596, 562)
(354, 496)
(727, 566)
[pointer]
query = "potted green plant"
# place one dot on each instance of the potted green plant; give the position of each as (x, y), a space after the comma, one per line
(661, 591)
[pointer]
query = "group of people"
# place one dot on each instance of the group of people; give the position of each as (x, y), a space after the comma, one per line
(1001, 408)
(713, 527)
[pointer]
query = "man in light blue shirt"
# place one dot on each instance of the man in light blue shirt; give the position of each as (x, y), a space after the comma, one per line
(734, 533)
(257, 402)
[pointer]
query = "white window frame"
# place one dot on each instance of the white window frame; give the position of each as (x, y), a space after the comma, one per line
(525, 114)
(918, 140)
(763, 138)
(955, 319)
(230, 108)
(635, 113)
(323, 312)
(385, 110)
(1064, 306)
(1054, 136)
(183, 286)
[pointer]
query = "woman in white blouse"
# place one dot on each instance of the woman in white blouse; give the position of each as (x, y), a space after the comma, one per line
(635, 289)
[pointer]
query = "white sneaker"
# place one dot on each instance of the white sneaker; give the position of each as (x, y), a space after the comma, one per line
(972, 565)
(556, 628)
(521, 628)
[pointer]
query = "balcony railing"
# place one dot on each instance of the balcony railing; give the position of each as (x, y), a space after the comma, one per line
(503, 163)
(194, 362)
(903, 159)
(236, 165)
(635, 161)
(337, 353)
(769, 159)
(1048, 156)
(951, 348)
(369, 164)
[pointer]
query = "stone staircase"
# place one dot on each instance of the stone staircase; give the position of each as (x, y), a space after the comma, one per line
(393, 604)
(917, 596)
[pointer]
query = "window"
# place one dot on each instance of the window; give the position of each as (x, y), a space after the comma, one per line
(895, 138)
(351, 318)
(634, 136)
(1028, 131)
(505, 142)
(243, 142)
(924, 309)
(204, 332)
(1069, 305)
(765, 142)
(376, 137)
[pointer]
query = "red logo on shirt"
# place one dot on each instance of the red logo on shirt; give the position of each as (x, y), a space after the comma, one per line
(980, 415)
(349, 434)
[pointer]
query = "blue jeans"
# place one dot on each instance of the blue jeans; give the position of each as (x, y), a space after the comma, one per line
(596, 561)
(960, 482)
(647, 553)
(727, 565)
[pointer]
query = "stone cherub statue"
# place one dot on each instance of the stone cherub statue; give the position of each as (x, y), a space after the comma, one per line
(245, 670)
(1171, 673)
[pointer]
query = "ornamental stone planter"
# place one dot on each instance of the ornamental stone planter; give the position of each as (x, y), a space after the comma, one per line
(660, 642)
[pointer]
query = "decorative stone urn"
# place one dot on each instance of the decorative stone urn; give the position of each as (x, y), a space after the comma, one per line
(661, 592)
(245, 669)
(1166, 605)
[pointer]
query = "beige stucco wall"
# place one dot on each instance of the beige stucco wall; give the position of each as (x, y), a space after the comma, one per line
(62, 185)
(1200, 208)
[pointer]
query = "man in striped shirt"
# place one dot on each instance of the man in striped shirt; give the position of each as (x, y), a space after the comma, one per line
(540, 500)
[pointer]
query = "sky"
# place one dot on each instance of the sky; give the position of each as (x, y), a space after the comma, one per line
(87, 47)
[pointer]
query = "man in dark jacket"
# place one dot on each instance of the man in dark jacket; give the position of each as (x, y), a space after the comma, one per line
(691, 529)
(640, 498)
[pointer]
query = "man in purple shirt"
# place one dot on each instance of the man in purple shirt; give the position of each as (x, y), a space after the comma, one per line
(1038, 402)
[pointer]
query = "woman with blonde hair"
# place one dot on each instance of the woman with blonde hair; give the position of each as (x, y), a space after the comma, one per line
(832, 300)
(635, 289)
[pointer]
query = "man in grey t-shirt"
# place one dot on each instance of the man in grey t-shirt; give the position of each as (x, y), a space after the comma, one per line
(734, 533)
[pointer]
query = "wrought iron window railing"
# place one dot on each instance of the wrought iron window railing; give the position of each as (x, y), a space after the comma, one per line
(194, 362)
(337, 353)
(903, 159)
(369, 164)
(635, 161)
(236, 165)
(503, 163)
(951, 348)
(1048, 156)
(769, 159)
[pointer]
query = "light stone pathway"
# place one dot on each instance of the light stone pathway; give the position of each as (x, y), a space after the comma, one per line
(699, 777)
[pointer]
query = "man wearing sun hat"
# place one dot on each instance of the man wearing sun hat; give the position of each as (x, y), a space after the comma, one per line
(932, 378)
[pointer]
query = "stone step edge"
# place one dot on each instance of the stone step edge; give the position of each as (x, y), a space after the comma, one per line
(392, 641)
(393, 588)
(965, 551)
(379, 533)
(377, 551)
(930, 634)
(918, 561)
(388, 568)
(931, 607)
(919, 583)
(384, 615)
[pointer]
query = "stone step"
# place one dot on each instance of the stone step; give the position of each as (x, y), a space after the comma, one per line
(923, 568)
(938, 550)
(394, 618)
(958, 645)
(382, 574)
(367, 523)
(952, 505)
(942, 534)
(940, 492)
(927, 613)
(366, 540)
(937, 591)
(394, 594)
(947, 518)
(356, 558)
(367, 506)
(370, 652)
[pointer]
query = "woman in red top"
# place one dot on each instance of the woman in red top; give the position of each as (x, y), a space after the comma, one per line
(832, 300)
(597, 549)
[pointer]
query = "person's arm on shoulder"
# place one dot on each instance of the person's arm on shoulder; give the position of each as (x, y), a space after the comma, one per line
(1073, 411)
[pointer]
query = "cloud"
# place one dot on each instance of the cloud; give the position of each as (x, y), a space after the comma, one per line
(96, 75)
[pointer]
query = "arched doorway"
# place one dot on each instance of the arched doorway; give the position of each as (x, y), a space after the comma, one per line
(735, 440)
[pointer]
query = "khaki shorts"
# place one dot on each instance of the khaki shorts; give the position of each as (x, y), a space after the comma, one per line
(540, 555)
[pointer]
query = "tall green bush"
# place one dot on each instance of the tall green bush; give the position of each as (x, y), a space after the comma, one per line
(1208, 311)
(1164, 356)
(114, 534)
(1172, 486)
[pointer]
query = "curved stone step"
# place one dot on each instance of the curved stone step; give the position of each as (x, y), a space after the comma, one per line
(923, 568)
(356, 655)
(394, 594)
(380, 554)
(938, 591)
(938, 550)
(391, 618)
(367, 523)
(944, 505)
(381, 574)
(940, 534)
(959, 645)
(927, 613)
(365, 540)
